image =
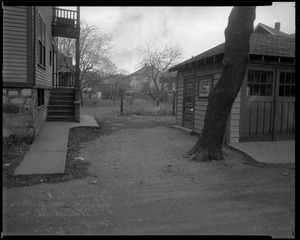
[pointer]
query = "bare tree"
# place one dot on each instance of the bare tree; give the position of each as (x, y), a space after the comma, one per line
(157, 61)
(95, 49)
(221, 98)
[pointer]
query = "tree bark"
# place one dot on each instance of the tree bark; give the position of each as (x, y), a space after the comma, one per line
(221, 98)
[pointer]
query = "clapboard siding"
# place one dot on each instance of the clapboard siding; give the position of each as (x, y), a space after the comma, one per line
(13, 58)
(8, 14)
(235, 119)
(179, 105)
(200, 103)
(17, 42)
(14, 8)
(200, 111)
(44, 75)
(7, 22)
(14, 45)
(14, 35)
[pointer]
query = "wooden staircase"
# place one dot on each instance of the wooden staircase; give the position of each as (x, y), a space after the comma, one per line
(61, 106)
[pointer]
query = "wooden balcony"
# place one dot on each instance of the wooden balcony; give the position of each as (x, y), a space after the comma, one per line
(66, 23)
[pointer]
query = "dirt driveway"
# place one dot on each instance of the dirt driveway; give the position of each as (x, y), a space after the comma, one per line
(140, 183)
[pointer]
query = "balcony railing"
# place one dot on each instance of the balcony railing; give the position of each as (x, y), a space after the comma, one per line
(64, 17)
(65, 79)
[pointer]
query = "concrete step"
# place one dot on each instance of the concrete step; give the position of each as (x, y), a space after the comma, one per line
(60, 119)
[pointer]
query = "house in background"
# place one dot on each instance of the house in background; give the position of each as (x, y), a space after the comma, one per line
(110, 86)
(264, 109)
(140, 80)
(169, 80)
(31, 90)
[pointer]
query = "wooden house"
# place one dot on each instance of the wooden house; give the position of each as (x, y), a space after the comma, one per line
(264, 109)
(32, 88)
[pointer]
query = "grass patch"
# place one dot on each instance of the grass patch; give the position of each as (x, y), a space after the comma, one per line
(138, 107)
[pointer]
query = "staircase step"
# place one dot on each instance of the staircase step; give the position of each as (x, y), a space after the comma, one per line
(61, 93)
(61, 107)
(60, 119)
(58, 113)
(61, 102)
(58, 97)
(62, 90)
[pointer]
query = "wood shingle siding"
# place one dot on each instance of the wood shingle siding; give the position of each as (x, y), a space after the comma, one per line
(14, 44)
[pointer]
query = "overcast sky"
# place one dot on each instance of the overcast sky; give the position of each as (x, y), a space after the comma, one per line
(195, 29)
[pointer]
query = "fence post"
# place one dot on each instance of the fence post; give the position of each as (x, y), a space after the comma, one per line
(174, 103)
(121, 106)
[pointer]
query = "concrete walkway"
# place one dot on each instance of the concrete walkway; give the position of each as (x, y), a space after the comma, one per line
(47, 154)
(268, 152)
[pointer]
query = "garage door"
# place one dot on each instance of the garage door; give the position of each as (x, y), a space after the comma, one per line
(268, 112)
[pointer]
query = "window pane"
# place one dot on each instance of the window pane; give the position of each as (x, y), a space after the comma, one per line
(288, 77)
(287, 91)
(250, 89)
(292, 91)
(256, 90)
(40, 53)
(44, 56)
(270, 77)
(281, 90)
(250, 75)
(204, 87)
(263, 90)
(257, 76)
(263, 77)
(293, 77)
(269, 90)
(282, 77)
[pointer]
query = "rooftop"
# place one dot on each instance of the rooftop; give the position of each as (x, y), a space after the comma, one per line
(279, 45)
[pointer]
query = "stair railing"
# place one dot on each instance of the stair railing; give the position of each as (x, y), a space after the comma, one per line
(64, 79)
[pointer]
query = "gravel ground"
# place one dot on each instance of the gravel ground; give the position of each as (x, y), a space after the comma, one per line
(138, 182)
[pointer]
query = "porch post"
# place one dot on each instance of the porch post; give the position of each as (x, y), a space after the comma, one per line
(77, 82)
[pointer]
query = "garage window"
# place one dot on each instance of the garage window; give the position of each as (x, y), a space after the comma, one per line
(260, 83)
(287, 84)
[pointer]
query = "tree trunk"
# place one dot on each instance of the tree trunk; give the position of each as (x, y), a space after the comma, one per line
(81, 97)
(158, 98)
(221, 98)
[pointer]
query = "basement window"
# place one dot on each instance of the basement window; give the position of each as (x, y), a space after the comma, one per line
(40, 97)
